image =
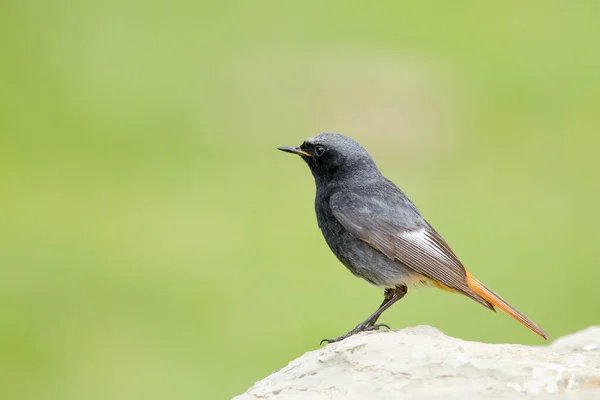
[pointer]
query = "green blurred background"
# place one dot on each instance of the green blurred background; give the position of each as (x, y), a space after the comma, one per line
(154, 244)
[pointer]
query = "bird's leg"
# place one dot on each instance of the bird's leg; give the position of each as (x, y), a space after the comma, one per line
(387, 296)
(390, 297)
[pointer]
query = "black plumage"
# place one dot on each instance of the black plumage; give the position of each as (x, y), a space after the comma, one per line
(376, 231)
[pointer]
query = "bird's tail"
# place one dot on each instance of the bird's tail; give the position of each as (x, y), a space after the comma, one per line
(503, 305)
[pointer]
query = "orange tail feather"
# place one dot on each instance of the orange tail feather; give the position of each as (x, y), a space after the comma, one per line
(499, 302)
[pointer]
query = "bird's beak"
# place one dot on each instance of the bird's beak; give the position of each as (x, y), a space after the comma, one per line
(294, 150)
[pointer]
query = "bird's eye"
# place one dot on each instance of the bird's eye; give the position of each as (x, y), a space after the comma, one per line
(319, 150)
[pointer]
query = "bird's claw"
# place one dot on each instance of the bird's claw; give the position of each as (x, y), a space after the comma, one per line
(360, 328)
(377, 327)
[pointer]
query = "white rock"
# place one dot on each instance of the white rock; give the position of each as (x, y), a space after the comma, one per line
(423, 363)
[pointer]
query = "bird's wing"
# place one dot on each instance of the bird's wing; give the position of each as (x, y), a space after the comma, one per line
(393, 226)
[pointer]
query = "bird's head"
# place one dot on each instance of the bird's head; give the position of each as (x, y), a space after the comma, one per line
(333, 156)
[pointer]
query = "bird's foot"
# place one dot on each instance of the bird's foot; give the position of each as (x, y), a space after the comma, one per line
(359, 328)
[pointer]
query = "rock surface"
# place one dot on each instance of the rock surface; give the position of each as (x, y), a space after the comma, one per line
(423, 363)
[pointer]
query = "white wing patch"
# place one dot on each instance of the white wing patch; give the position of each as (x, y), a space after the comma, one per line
(422, 239)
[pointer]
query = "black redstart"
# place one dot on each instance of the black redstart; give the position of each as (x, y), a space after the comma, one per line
(378, 233)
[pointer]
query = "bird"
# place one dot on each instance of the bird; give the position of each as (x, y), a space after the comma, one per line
(378, 233)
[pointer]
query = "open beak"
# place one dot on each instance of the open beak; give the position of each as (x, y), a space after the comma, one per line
(295, 150)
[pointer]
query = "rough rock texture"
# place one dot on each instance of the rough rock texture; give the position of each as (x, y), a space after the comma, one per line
(423, 363)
